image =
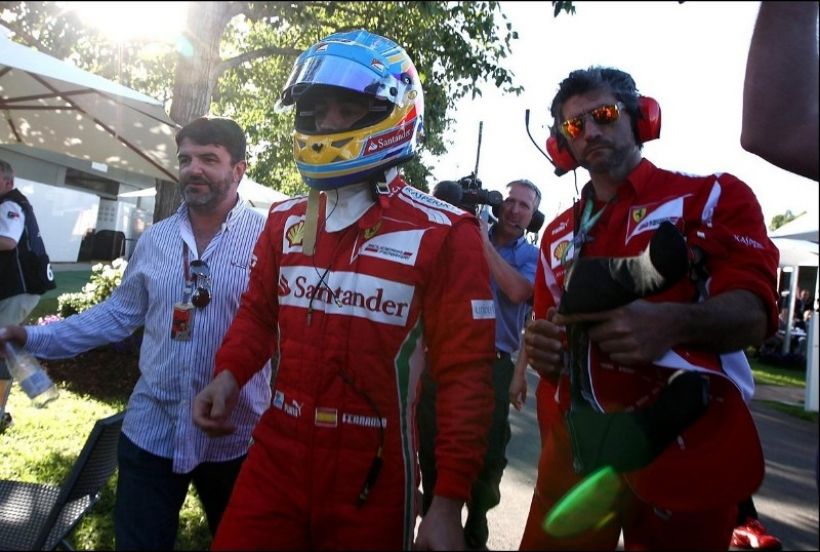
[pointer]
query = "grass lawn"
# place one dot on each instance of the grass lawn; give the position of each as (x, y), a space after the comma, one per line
(775, 375)
(765, 374)
(42, 445)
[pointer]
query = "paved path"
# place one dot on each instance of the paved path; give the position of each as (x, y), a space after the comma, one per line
(787, 501)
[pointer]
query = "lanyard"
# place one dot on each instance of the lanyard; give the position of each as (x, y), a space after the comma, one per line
(588, 220)
(189, 285)
(185, 265)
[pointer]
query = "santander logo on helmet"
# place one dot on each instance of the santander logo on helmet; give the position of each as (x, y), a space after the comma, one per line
(371, 67)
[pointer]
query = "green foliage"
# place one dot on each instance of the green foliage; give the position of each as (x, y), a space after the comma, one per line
(780, 220)
(560, 6)
(102, 283)
(456, 46)
(54, 28)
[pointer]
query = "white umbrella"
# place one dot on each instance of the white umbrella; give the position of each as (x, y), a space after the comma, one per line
(50, 104)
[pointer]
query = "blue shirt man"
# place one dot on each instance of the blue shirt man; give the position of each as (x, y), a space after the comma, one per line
(510, 315)
(512, 260)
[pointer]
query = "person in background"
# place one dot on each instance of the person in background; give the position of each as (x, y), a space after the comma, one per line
(355, 290)
(183, 284)
(512, 262)
(628, 354)
(25, 271)
(802, 303)
(781, 85)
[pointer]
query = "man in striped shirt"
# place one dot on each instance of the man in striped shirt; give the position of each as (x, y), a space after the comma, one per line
(183, 284)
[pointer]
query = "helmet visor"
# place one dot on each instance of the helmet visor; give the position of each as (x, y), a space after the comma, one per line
(344, 73)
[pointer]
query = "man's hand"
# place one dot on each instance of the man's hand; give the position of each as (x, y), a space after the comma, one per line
(440, 528)
(214, 404)
(518, 391)
(15, 334)
(637, 333)
(485, 231)
(518, 385)
(543, 343)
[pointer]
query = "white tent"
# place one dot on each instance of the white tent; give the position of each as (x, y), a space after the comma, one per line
(53, 105)
(259, 196)
(804, 227)
(795, 252)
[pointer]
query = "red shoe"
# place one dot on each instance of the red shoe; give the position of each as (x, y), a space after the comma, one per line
(753, 536)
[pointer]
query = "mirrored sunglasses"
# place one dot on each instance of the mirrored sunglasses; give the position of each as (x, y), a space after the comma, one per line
(602, 115)
(202, 280)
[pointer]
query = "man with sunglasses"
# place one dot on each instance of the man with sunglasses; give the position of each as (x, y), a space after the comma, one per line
(357, 289)
(684, 492)
(183, 284)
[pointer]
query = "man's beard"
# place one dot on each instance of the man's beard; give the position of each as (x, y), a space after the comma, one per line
(611, 162)
(198, 198)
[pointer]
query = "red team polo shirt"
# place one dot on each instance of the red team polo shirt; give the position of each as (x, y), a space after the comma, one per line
(722, 216)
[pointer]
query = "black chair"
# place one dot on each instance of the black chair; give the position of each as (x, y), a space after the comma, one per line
(35, 516)
(108, 245)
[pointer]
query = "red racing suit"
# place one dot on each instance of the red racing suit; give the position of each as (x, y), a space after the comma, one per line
(721, 215)
(353, 327)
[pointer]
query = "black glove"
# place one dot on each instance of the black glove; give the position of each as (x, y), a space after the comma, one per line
(597, 284)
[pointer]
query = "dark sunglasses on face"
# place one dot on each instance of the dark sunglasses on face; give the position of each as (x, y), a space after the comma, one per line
(202, 280)
(602, 115)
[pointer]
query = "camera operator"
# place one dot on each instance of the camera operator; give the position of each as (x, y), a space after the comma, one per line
(512, 260)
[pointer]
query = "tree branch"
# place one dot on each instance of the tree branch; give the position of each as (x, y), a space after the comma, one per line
(226, 64)
(28, 38)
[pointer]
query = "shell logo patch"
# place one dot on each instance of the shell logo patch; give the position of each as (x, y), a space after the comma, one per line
(560, 249)
(296, 234)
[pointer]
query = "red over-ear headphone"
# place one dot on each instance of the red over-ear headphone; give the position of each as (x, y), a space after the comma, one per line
(649, 128)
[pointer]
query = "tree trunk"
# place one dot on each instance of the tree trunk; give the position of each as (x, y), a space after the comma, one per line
(194, 80)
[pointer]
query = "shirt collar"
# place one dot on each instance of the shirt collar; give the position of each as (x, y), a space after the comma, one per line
(639, 178)
(239, 207)
(637, 181)
(513, 244)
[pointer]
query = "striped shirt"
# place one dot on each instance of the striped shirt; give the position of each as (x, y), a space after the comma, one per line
(159, 412)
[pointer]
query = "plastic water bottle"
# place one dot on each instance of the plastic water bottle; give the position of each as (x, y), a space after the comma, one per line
(30, 375)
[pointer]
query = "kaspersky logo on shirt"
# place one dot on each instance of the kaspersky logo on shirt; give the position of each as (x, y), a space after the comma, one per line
(346, 293)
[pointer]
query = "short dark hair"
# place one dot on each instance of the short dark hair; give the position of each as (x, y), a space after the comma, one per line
(220, 131)
(581, 81)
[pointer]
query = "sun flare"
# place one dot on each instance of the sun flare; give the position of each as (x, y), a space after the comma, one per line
(124, 21)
